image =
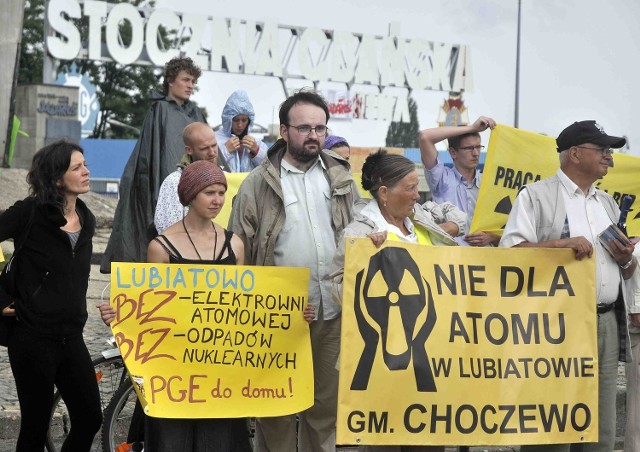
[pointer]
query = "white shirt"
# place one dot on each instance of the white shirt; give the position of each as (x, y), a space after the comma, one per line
(169, 210)
(307, 238)
(586, 217)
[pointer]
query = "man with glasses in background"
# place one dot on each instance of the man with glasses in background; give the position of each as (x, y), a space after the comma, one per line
(289, 212)
(567, 211)
(458, 185)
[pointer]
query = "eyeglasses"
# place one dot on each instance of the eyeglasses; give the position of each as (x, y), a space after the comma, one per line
(603, 151)
(306, 129)
(471, 148)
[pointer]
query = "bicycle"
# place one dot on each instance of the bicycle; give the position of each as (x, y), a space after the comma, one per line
(111, 374)
(123, 419)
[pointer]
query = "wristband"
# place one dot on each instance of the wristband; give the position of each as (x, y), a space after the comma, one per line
(628, 264)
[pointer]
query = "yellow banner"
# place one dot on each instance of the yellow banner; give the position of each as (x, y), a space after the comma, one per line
(234, 180)
(516, 157)
(202, 341)
(459, 345)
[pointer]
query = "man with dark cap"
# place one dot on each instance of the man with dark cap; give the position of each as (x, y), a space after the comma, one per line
(567, 211)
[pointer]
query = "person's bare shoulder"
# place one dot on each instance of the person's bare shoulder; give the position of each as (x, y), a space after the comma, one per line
(174, 230)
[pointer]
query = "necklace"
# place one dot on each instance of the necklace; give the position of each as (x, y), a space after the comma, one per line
(215, 243)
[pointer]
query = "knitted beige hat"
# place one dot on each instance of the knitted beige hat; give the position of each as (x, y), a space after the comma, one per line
(196, 177)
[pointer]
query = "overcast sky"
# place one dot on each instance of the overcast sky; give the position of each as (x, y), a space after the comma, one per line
(580, 59)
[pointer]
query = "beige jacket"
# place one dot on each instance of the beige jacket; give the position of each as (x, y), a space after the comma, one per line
(258, 213)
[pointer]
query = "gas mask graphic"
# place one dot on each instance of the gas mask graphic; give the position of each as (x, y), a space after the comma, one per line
(399, 301)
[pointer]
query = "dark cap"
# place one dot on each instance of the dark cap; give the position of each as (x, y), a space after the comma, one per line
(582, 132)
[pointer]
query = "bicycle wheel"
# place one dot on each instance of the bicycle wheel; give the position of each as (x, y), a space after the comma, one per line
(110, 374)
(118, 418)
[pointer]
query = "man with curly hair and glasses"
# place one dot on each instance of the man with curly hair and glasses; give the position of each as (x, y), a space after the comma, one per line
(458, 185)
(155, 155)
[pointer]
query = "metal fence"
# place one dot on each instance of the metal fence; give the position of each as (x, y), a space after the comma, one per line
(106, 187)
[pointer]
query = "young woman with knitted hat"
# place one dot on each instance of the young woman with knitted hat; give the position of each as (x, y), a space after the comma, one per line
(197, 239)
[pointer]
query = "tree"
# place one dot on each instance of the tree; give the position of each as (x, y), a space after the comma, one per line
(117, 99)
(32, 44)
(405, 134)
(122, 90)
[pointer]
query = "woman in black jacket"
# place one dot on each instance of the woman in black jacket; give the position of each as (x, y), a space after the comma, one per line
(46, 346)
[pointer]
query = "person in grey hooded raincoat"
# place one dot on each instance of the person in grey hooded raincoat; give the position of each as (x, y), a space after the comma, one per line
(155, 155)
(241, 151)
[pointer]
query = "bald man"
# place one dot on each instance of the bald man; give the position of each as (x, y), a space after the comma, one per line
(199, 144)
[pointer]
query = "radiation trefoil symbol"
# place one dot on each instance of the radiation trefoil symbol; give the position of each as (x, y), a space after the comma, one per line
(399, 302)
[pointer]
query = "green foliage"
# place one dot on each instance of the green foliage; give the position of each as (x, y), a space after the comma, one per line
(117, 98)
(32, 45)
(405, 134)
(122, 91)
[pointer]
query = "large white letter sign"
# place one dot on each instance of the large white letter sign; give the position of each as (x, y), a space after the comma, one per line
(312, 49)
(95, 11)
(169, 20)
(67, 45)
(125, 12)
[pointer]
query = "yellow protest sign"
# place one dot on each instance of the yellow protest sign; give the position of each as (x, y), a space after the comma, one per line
(203, 341)
(516, 157)
(234, 180)
(460, 345)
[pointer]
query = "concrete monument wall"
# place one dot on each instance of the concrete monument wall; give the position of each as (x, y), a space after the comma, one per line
(48, 113)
